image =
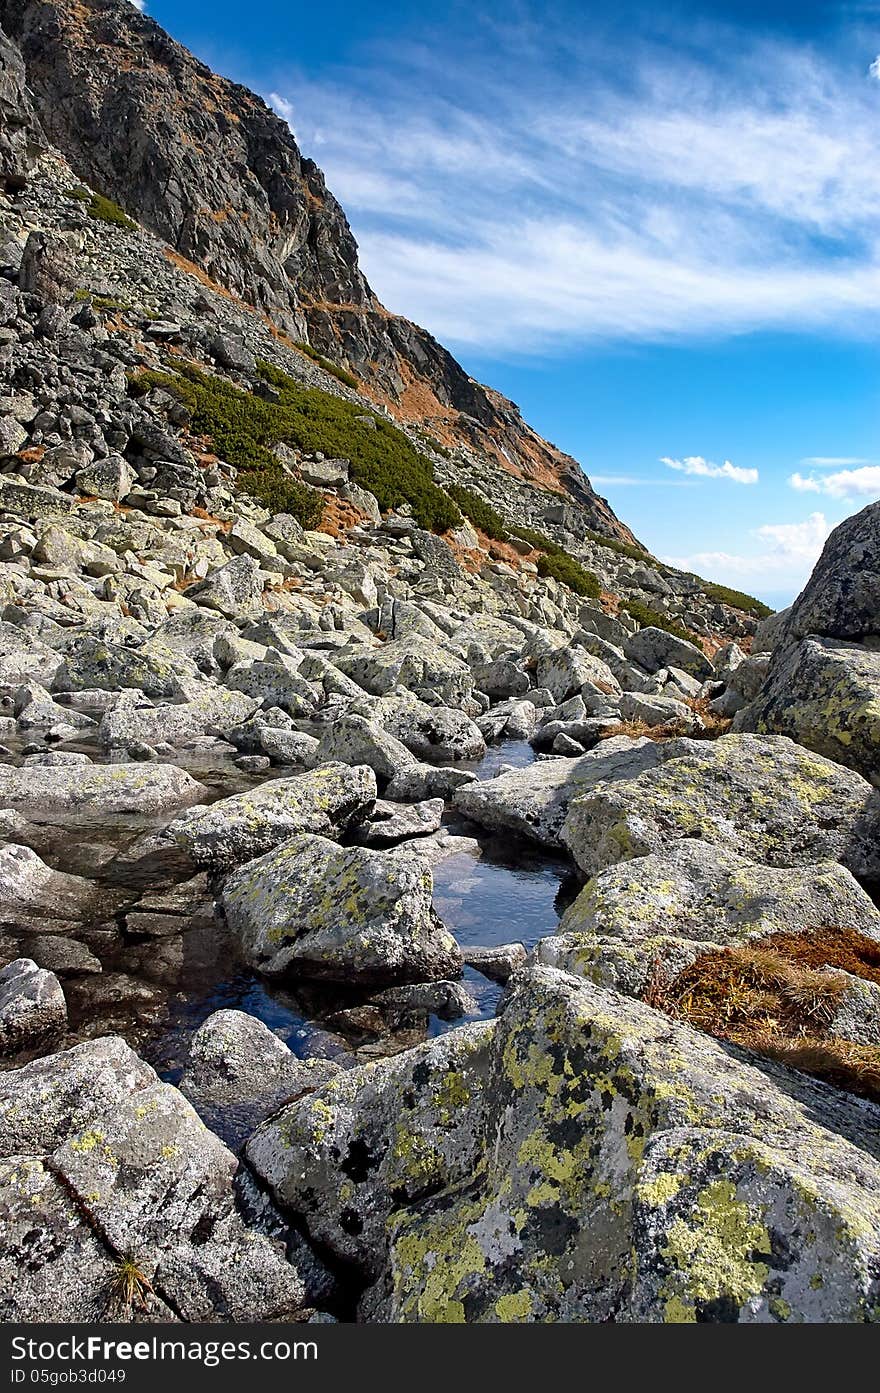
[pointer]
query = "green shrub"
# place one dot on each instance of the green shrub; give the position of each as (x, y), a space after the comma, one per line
(281, 494)
(564, 568)
(327, 364)
(103, 209)
(480, 512)
(652, 618)
(737, 599)
(244, 427)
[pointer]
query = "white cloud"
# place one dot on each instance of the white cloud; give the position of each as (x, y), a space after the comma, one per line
(789, 552)
(140, 5)
(282, 107)
(835, 461)
(715, 191)
(843, 484)
(874, 69)
(632, 480)
(705, 469)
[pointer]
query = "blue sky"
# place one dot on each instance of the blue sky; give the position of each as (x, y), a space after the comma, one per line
(659, 233)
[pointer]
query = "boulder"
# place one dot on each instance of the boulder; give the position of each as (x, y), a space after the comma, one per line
(233, 830)
(667, 908)
(825, 695)
(533, 802)
(413, 662)
(314, 909)
(233, 590)
(396, 822)
(433, 734)
(841, 599)
(564, 671)
(760, 796)
(32, 1005)
(153, 669)
(213, 710)
(238, 1073)
(389, 1132)
(111, 478)
(33, 895)
(632, 1169)
(656, 648)
(139, 1173)
(353, 739)
(97, 790)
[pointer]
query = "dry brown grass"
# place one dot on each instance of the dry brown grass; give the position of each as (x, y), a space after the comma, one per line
(778, 998)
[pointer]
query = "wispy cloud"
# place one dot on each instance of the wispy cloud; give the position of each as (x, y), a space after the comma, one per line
(835, 461)
(282, 107)
(632, 480)
(514, 200)
(140, 5)
(705, 469)
(845, 483)
(789, 552)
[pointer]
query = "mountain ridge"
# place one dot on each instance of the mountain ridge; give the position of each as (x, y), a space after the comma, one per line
(204, 163)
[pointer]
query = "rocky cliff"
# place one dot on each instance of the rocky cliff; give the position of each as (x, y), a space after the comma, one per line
(206, 165)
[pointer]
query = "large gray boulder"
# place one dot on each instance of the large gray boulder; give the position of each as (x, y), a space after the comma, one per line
(825, 695)
(842, 597)
(315, 909)
(105, 1165)
(668, 908)
(236, 829)
(533, 802)
(413, 662)
(353, 739)
(213, 709)
(565, 670)
(757, 795)
(34, 896)
(433, 734)
(385, 1134)
(655, 648)
(233, 590)
(32, 1005)
(97, 790)
(153, 669)
(585, 1159)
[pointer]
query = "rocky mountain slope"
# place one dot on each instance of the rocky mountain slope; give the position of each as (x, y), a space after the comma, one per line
(207, 166)
(285, 685)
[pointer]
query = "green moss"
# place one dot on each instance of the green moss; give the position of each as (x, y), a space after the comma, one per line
(103, 209)
(737, 599)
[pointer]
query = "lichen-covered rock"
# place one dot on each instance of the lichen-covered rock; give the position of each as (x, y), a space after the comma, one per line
(146, 1179)
(232, 590)
(238, 1073)
(381, 1136)
(435, 734)
(397, 822)
(236, 829)
(758, 795)
(669, 907)
(97, 790)
(213, 709)
(630, 1168)
(842, 597)
(564, 671)
(826, 696)
(315, 909)
(413, 662)
(534, 801)
(654, 648)
(355, 740)
(153, 669)
(32, 1005)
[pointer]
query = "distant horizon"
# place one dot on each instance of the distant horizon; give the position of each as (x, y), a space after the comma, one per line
(658, 234)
